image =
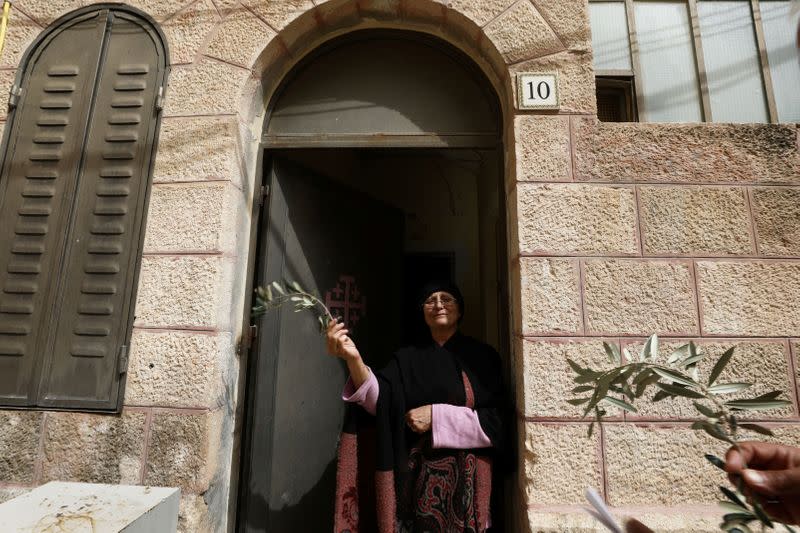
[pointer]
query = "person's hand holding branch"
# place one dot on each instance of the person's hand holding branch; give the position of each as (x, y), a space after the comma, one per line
(340, 345)
(772, 477)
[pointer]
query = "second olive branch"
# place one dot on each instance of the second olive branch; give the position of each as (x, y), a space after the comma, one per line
(277, 294)
(627, 382)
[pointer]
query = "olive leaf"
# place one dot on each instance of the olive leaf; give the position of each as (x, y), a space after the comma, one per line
(720, 365)
(727, 388)
(620, 403)
(757, 405)
(650, 350)
(674, 376)
(675, 390)
(758, 429)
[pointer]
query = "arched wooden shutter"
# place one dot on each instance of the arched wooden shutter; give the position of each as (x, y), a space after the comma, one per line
(73, 191)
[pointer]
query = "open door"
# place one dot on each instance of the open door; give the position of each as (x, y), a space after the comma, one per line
(348, 247)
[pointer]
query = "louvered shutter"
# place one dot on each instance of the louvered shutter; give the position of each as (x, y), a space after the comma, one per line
(36, 187)
(89, 344)
(78, 350)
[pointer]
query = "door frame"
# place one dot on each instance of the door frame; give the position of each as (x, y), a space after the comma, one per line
(246, 347)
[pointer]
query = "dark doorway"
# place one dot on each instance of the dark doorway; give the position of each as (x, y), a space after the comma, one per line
(377, 184)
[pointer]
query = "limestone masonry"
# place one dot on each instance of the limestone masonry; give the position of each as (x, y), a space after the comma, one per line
(616, 231)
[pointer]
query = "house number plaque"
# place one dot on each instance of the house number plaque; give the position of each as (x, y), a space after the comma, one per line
(537, 90)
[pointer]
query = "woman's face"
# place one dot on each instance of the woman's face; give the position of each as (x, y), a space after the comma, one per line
(441, 310)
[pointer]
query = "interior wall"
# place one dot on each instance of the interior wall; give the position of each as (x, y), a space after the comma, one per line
(451, 203)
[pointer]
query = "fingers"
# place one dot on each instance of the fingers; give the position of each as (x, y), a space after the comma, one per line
(775, 483)
(337, 338)
(634, 526)
(761, 456)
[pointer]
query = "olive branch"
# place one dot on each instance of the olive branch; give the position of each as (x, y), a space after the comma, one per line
(277, 294)
(627, 382)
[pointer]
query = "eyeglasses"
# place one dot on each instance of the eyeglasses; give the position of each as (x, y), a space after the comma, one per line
(446, 301)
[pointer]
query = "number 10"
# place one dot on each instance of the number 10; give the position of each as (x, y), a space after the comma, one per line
(542, 90)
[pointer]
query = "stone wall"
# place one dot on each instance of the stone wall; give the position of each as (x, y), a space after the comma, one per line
(616, 231)
(685, 230)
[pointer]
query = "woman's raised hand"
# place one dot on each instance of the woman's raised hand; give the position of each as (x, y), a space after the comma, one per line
(339, 343)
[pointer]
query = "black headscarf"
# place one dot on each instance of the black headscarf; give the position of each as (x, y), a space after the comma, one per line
(446, 286)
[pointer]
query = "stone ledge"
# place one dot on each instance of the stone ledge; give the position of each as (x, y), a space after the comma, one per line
(76, 507)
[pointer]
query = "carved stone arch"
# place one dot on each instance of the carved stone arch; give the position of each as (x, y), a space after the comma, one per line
(334, 18)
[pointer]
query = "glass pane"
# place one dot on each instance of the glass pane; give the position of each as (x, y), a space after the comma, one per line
(666, 55)
(732, 65)
(784, 62)
(610, 36)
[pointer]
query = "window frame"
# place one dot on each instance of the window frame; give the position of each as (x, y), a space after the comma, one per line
(702, 77)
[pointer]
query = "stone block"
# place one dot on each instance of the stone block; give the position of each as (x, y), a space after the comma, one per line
(695, 221)
(560, 461)
(777, 216)
(749, 298)
(45, 12)
(695, 520)
(158, 9)
(6, 82)
(379, 9)
(240, 38)
(278, 14)
(199, 217)
(338, 13)
(550, 296)
(9, 493)
(94, 448)
(480, 11)
(576, 82)
(430, 12)
(184, 291)
(686, 153)
(188, 31)
(183, 450)
(69, 507)
(651, 465)
(197, 149)
(19, 445)
(461, 28)
(764, 363)
(302, 35)
(570, 21)
(21, 32)
(541, 521)
(542, 148)
(193, 515)
(661, 465)
(639, 297)
(178, 369)
(557, 219)
(521, 33)
(208, 87)
(547, 378)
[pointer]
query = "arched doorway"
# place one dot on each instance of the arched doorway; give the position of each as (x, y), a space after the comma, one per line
(382, 168)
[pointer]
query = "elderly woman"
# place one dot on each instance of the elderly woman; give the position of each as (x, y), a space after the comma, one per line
(437, 428)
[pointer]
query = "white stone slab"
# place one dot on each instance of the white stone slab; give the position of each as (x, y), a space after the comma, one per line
(85, 507)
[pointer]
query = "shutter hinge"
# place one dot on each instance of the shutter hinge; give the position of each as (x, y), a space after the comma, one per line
(13, 95)
(160, 98)
(264, 194)
(249, 336)
(122, 360)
